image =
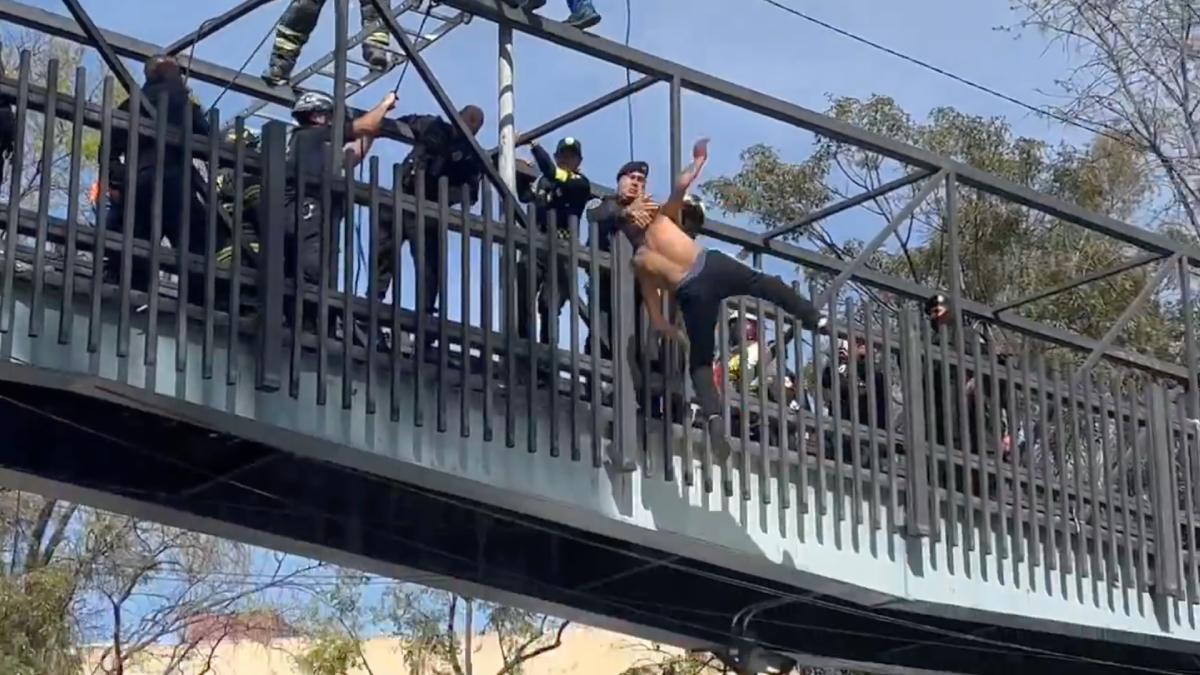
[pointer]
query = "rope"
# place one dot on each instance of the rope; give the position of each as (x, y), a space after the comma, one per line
(245, 64)
(407, 61)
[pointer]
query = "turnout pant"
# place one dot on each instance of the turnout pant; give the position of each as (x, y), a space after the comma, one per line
(300, 19)
(713, 278)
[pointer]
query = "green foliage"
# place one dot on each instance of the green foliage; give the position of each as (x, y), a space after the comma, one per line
(330, 654)
(37, 636)
(1007, 250)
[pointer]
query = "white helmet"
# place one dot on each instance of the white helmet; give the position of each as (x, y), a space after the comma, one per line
(312, 102)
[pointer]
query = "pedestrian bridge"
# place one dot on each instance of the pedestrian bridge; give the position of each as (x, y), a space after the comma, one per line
(1042, 518)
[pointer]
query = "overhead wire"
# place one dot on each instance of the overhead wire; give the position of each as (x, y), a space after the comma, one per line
(1096, 128)
(245, 64)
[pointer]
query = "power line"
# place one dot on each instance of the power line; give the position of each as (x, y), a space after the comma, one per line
(1097, 128)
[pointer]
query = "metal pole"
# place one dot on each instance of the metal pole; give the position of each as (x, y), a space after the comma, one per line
(341, 28)
(1189, 337)
(838, 207)
(508, 136)
(584, 110)
(676, 128)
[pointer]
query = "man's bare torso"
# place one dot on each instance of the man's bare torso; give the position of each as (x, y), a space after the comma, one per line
(668, 253)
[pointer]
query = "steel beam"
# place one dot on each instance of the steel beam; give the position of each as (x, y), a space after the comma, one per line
(596, 104)
(1166, 268)
(448, 108)
(214, 24)
(1131, 264)
(63, 27)
(98, 42)
(790, 113)
(838, 207)
(861, 259)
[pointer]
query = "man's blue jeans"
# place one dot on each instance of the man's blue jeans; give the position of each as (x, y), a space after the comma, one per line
(579, 5)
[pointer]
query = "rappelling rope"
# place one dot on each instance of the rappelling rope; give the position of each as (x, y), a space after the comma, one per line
(244, 65)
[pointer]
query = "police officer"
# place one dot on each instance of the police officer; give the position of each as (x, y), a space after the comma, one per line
(163, 79)
(441, 151)
(564, 192)
(297, 24)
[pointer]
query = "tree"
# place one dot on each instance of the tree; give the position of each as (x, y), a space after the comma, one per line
(1135, 82)
(1007, 250)
(428, 622)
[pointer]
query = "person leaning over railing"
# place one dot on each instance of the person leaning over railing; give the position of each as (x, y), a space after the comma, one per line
(440, 151)
(163, 79)
(227, 198)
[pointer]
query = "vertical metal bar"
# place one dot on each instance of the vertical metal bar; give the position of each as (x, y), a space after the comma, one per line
(49, 140)
(210, 248)
(443, 286)
(978, 454)
(1012, 538)
(851, 399)
(956, 311)
(349, 321)
(1090, 430)
(1166, 530)
(464, 410)
(373, 302)
(1188, 308)
(1139, 464)
(341, 31)
(103, 206)
(1045, 400)
(915, 375)
(819, 414)
(801, 422)
(1063, 413)
(1119, 394)
(931, 423)
(422, 282)
(235, 247)
(17, 161)
(509, 307)
(1107, 449)
(531, 317)
(486, 321)
(1078, 417)
(129, 196)
(625, 413)
(270, 273)
(66, 308)
(184, 249)
(398, 218)
(646, 341)
(835, 419)
(330, 155)
(1031, 527)
(764, 422)
(1189, 542)
(872, 411)
(575, 314)
(594, 330)
(948, 415)
(551, 327)
(726, 395)
(156, 230)
(1000, 506)
(779, 353)
(299, 279)
(743, 402)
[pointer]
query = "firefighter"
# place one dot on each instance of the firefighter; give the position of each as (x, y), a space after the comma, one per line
(563, 191)
(297, 24)
(227, 198)
(583, 14)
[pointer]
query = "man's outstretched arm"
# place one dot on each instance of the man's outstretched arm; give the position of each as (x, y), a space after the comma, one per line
(683, 182)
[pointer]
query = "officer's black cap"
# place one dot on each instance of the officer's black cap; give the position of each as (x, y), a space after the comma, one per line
(935, 301)
(569, 144)
(634, 167)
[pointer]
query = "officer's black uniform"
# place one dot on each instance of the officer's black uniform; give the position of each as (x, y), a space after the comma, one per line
(177, 99)
(609, 218)
(441, 150)
(307, 156)
(563, 194)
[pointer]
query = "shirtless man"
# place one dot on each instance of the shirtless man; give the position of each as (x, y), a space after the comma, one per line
(667, 260)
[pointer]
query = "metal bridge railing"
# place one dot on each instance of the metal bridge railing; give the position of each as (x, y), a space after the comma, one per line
(913, 429)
